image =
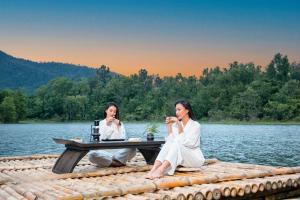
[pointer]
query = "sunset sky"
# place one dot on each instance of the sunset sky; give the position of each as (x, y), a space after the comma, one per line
(163, 36)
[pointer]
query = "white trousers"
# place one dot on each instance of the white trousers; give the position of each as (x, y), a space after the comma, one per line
(178, 154)
(104, 158)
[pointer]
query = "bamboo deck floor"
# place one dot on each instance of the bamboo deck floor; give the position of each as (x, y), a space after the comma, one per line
(30, 177)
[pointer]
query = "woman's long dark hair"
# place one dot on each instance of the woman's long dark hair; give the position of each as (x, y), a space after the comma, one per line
(187, 106)
(117, 116)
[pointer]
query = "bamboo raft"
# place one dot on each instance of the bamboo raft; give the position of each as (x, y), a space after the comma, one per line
(30, 177)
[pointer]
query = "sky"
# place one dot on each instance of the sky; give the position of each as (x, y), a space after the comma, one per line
(165, 37)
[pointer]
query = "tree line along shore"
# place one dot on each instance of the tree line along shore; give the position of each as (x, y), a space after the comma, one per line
(237, 93)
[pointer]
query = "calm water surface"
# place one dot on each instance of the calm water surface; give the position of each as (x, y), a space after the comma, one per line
(259, 144)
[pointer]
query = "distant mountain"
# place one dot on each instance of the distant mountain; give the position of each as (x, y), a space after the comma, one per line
(21, 73)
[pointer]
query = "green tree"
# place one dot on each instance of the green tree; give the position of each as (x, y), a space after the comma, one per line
(50, 98)
(75, 107)
(5, 93)
(295, 71)
(103, 74)
(8, 110)
(279, 111)
(20, 101)
(279, 68)
(246, 105)
(285, 104)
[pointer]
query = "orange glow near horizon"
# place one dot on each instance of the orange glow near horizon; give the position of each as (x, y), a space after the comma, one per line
(163, 65)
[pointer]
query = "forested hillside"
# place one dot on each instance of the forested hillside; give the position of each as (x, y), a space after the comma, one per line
(20, 73)
(239, 92)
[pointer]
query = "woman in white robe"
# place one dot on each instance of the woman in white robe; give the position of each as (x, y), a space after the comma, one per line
(182, 145)
(111, 128)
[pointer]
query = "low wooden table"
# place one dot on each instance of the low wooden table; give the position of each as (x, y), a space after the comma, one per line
(75, 151)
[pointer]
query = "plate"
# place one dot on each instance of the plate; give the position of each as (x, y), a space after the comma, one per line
(109, 140)
(134, 139)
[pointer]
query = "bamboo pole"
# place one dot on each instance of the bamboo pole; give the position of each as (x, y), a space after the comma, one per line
(74, 192)
(152, 195)
(5, 195)
(12, 192)
(41, 191)
(166, 197)
(172, 182)
(91, 190)
(25, 167)
(289, 182)
(181, 197)
(65, 190)
(103, 172)
(226, 188)
(239, 190)
(208, 192)
(211, 161)
(37, 193)
(268, 185)
(274, 185)
(134, 197)
(31, 157)
(208, 179)
(27, 194)
(4, 178)
(167, 194)
(199, 196)
(11, 174)
(136, 189)
(279, 184)
(241, 186)
(55, 191)
(225, 191)
(298, 180)
(262, 184)
(286, 170)
(295, 183)
(192, 190)
(214, 190)
(186, 191)
(233, 192)
(71, 197)
(254, 186)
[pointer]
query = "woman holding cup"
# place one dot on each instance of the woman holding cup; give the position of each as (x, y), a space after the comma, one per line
(111, 128)
(182, 145)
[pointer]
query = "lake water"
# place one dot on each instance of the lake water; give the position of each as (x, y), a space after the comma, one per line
(259, 144)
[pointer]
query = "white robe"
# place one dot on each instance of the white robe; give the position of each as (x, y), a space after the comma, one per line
(103, 158)
(182, 149)
(111, 130)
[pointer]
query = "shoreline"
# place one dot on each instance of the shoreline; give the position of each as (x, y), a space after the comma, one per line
(225, 122)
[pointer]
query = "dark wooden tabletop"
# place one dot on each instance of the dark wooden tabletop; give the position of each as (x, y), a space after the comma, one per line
(109, 144)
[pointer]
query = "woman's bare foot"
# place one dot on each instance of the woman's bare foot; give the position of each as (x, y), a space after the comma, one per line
(157, 174)
(148, 175)
(160, 171)
(156, 165)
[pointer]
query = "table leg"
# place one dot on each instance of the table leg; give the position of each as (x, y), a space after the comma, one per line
(149, 154)
(68, 160)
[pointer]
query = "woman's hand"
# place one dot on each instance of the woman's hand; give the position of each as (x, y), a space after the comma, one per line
(171, 120)
(116, 121)
(109, 119)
